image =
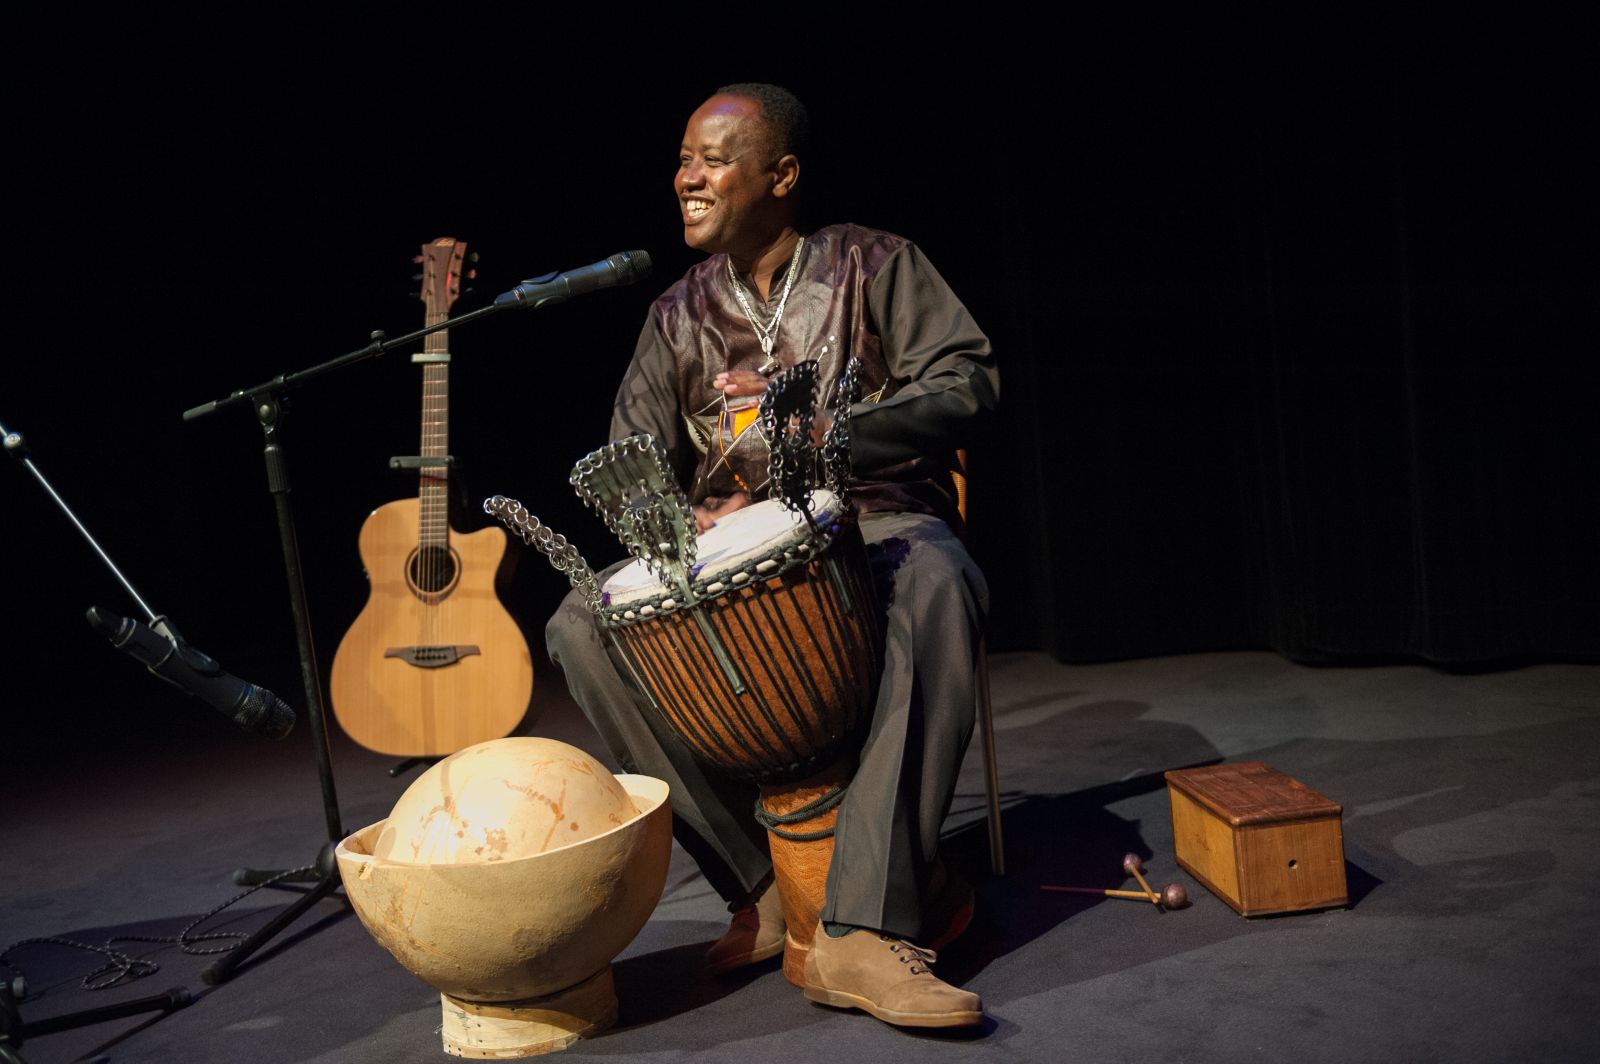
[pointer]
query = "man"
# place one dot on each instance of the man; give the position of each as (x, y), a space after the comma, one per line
(769, 297)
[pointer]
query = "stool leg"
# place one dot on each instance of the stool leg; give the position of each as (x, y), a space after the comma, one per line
(991, 766)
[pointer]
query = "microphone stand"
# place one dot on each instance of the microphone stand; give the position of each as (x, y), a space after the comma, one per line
(268, 401)
(17, 447)
(12, 1028)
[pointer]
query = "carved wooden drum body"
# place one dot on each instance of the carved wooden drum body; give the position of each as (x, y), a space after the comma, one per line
(771, 674)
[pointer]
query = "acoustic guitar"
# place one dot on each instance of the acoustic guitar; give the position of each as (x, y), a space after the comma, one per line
(434, 662)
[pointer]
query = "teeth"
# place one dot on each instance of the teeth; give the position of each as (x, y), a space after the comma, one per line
(696, 207)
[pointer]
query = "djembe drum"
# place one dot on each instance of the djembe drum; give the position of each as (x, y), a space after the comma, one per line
(759, 642)
(769, 677)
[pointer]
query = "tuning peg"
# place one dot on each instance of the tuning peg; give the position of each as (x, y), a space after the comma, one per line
(416, 277)
(472, 275)
(472, 256)
(417, 259)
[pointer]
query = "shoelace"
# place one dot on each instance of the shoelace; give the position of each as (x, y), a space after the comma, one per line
(916, 953)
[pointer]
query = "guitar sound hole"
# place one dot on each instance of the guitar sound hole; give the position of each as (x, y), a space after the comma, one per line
(432, 569)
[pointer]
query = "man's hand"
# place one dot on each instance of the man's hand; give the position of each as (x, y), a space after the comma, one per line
(739, 382)
(715, 506)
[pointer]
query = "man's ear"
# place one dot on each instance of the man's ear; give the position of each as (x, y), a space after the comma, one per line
(786, 173)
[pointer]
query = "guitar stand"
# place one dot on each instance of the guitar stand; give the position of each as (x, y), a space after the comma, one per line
(410, 763)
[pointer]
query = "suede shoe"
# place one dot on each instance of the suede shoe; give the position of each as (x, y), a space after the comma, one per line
(887, 978)
(756, 933)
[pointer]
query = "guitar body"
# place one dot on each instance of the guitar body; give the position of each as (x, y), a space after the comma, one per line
(434, 663)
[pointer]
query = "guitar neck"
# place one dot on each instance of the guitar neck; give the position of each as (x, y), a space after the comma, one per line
(441, 283)
(434, 480)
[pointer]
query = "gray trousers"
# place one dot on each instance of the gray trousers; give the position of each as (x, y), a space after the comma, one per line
(888, 827)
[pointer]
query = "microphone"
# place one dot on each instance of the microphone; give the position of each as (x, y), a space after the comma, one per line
(625, 267)
(163, 651)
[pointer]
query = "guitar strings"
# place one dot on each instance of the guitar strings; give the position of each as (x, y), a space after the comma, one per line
(434, 533)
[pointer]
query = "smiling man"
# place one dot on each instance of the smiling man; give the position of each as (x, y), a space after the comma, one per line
(767, 297)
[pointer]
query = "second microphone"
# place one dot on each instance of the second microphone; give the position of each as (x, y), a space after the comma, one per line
(625, 267)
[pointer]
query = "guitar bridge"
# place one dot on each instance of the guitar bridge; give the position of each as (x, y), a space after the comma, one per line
(431, 657)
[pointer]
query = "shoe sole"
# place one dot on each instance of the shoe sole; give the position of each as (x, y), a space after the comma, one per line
(842, 1000)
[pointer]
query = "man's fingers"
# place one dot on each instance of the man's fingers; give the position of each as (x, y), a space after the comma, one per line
(714, 506)
(739, 382)
(819, 428)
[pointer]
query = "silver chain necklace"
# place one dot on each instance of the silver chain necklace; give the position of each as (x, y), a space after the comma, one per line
(768, 333)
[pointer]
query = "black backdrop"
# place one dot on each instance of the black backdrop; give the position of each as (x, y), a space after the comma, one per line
(1298, 337)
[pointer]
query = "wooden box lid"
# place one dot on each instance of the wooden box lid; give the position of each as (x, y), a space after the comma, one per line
(1250, 792)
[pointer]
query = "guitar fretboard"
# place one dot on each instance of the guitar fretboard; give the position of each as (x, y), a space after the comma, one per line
(441, 283)
(434, 486)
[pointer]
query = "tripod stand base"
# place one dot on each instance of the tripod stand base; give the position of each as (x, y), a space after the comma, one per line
(489, 1030)
(325, 883)
(255, 877)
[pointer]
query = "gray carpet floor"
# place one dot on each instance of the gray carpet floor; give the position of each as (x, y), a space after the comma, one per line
(1469, 810)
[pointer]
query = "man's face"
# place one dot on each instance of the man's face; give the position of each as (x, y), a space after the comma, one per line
(725, 178)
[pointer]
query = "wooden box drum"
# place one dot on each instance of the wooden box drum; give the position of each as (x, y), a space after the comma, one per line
(508, 877)
(770, 675)
(1260, 840)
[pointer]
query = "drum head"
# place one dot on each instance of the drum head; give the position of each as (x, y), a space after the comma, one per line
(736, 542)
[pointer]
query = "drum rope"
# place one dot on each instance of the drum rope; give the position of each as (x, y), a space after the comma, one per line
(824, 803)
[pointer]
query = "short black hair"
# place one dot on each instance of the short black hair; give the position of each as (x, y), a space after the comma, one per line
(788, 125)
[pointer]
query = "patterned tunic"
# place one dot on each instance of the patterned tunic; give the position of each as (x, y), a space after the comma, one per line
(927, 368)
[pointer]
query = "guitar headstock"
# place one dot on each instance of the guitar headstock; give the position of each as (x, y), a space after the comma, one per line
(444, 263)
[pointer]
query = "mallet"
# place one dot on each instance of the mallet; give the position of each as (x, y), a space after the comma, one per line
(1174, 897)
(1134, 867)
